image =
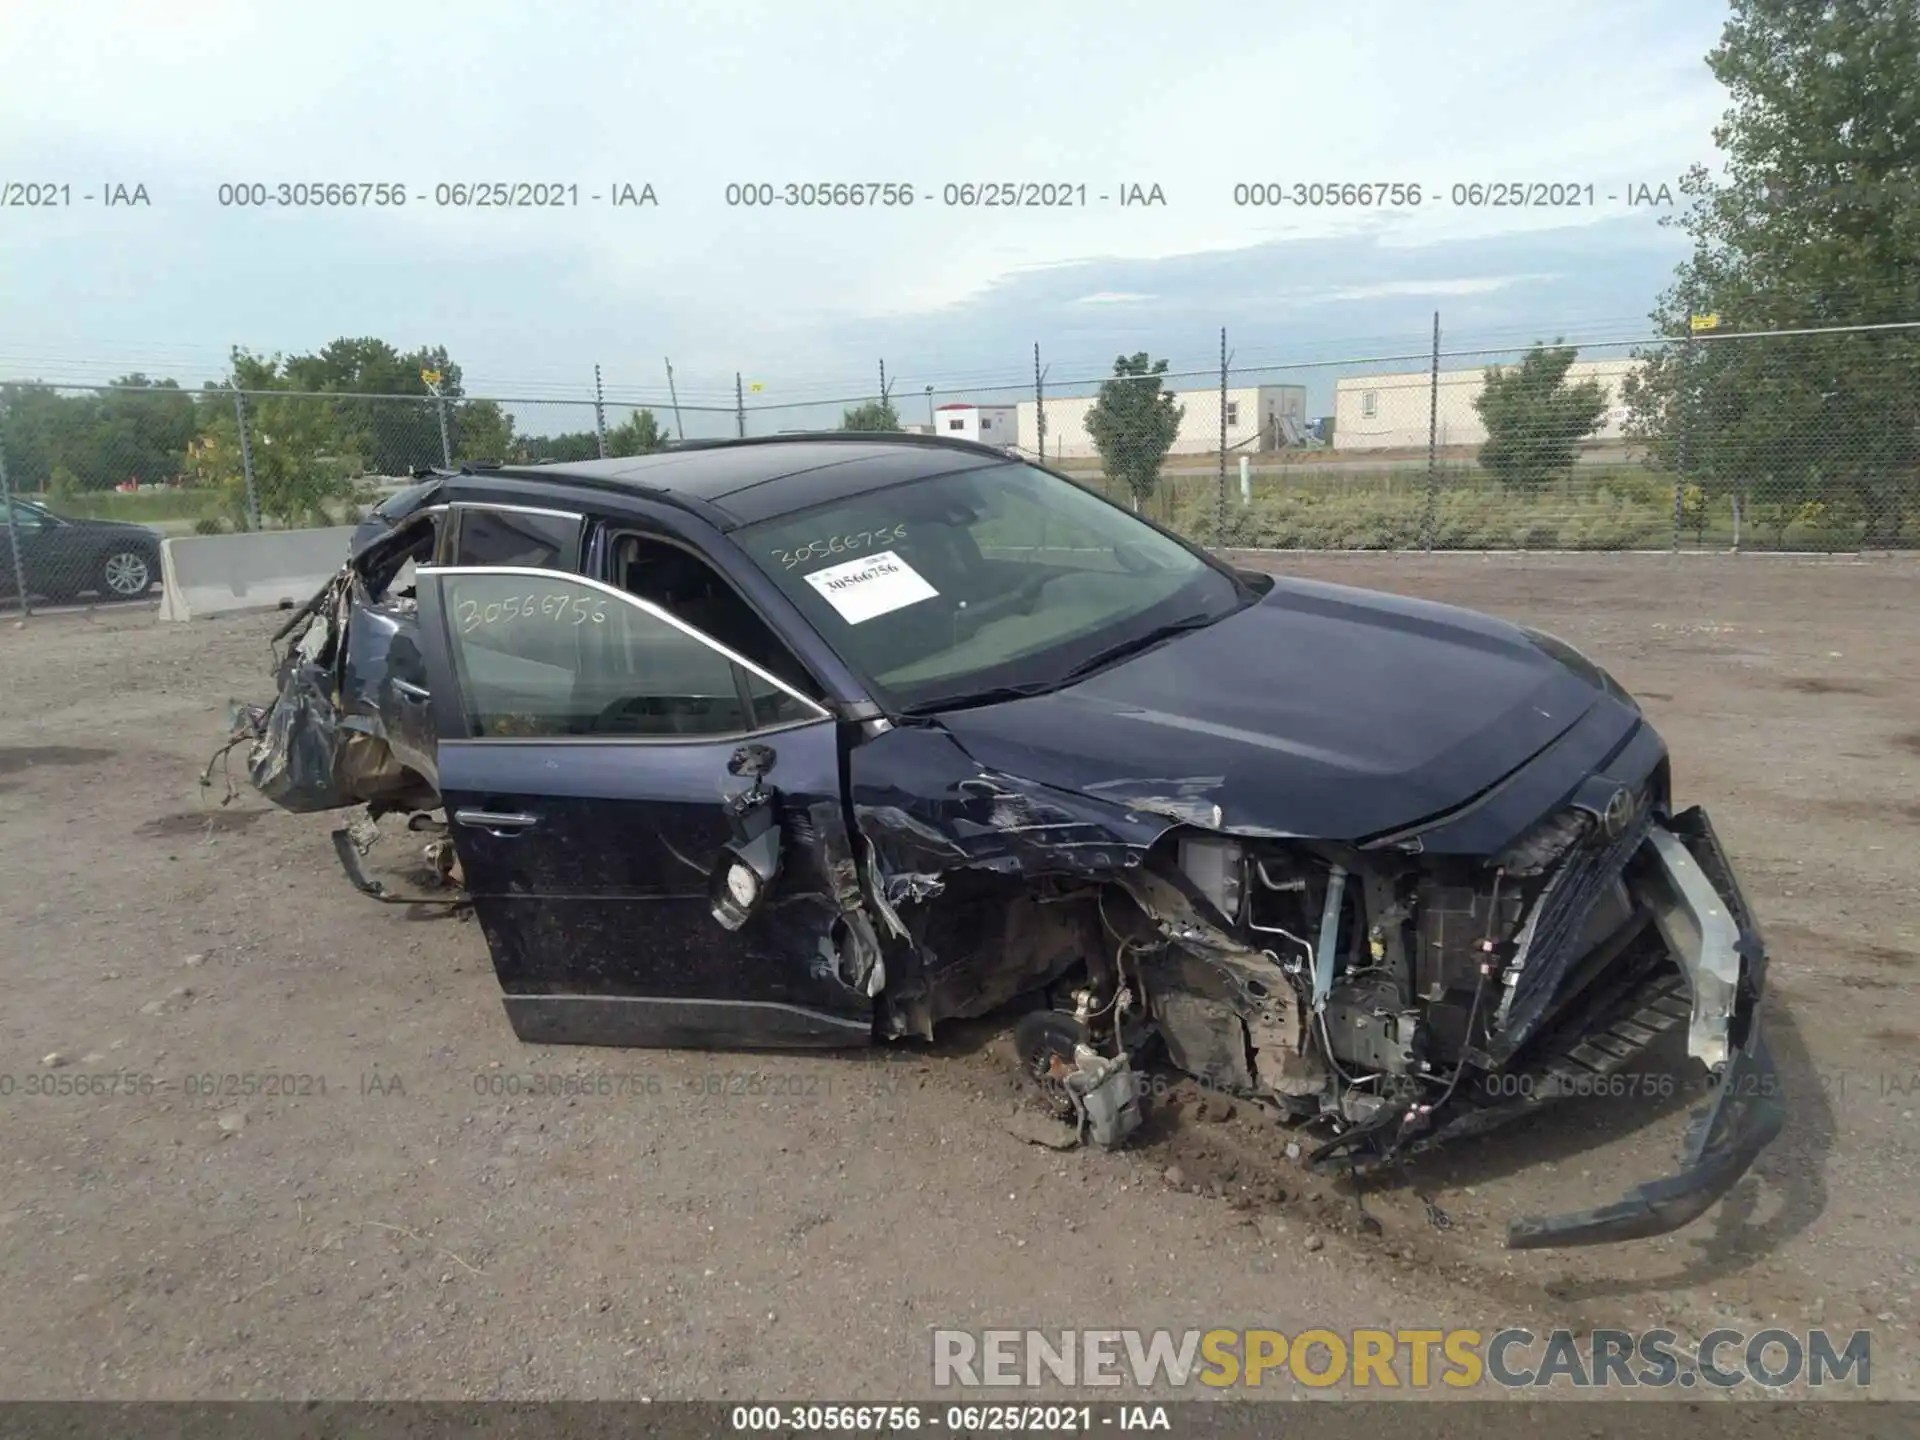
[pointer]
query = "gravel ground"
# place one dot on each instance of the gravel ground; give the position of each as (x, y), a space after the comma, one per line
(403, 1226)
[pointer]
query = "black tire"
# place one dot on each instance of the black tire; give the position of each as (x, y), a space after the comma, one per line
(125, 573)
(1044, 1041)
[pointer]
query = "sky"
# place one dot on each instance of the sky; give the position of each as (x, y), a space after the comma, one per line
(807, 302)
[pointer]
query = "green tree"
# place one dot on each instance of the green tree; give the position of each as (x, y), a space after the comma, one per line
(480, 430)
(137, 430)
(875, 415)
(31, 422)
(302, 457)
(1535, 420)
(574, 445)
(1814, 225)
(1133, 422)
(639, 434)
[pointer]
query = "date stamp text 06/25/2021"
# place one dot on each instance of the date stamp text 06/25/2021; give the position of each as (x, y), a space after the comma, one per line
(1067, 193)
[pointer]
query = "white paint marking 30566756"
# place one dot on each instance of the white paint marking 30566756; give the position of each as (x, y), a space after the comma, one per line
(872, 585)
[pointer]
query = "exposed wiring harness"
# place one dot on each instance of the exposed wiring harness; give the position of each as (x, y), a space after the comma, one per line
(1417, 1113)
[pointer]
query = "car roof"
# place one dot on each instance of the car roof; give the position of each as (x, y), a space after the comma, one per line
(728, 482)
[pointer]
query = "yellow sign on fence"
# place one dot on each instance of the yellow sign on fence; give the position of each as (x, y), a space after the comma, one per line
(1710, 321)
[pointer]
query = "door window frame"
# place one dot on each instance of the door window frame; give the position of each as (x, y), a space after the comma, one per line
(457, 511)
(816, 711)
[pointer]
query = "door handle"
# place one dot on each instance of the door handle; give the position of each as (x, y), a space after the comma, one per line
(496, 822)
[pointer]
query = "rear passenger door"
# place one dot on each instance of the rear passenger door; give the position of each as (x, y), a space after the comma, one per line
(588, 752)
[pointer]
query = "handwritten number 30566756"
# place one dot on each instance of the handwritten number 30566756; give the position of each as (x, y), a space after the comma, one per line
(554, 608)
(857, 543)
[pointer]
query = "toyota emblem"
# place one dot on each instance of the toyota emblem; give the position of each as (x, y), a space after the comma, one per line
(1621, 807)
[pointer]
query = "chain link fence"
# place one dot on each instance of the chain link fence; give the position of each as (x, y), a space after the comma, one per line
(1805, 441)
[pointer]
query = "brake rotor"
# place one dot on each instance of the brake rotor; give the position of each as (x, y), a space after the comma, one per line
(1045, 1041)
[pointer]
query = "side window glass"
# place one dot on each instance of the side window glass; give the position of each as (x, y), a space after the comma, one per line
(687, 587)
(549, 655)
(772, 705)
(511, 537)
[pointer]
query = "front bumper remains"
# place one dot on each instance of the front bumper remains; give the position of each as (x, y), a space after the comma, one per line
(1709, 930)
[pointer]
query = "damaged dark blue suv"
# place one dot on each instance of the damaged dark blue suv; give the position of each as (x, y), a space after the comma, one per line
(824, 740)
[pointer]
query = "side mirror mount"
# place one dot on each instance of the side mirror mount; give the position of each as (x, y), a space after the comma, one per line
(743, 876)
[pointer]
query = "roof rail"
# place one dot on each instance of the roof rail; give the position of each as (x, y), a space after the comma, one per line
(891, 437)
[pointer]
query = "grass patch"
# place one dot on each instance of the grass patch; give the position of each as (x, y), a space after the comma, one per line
(1596, 508)
(142, 507)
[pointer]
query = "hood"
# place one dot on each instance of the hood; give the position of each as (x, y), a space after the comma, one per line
(1321, 711)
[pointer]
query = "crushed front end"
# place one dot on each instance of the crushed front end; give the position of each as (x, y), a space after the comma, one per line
(1404, 998)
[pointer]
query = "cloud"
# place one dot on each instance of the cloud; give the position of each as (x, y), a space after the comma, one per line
(1479, 285)
(730, 100)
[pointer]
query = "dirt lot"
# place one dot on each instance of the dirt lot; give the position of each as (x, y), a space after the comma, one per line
(403, 1225)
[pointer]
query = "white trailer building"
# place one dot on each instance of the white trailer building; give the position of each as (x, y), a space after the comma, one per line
(1259, 417)
(1391, 412)
(988, 424)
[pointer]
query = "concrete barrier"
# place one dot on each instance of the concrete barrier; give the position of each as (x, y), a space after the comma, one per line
(215, 574)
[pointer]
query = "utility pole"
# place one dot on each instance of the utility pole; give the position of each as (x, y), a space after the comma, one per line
(13, 538)
(1220, 507)
(1433, 439)
(432, 380)
(1695, 325)
(246, 454)
(739, 405)
(678, 428)
(599, 413)
(1039, 403)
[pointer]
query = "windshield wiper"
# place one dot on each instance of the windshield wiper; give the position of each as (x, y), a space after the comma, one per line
(1100, 659)
(992, 696)
(1096, 661)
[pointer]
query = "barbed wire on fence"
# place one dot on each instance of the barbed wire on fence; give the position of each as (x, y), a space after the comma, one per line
(1806, 439)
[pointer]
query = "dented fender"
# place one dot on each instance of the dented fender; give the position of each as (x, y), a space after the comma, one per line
(928, 808)
(934, 824)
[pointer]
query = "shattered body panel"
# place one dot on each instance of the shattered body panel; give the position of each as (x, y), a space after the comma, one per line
(1393, 870)
(350, 724)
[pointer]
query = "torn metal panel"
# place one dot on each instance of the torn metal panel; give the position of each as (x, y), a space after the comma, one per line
(383, 684)
(1192, 801)
(298, 744)
(1701, 931)
(927, 808)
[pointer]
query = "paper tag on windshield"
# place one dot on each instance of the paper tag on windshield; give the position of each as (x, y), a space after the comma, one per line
(873, 585)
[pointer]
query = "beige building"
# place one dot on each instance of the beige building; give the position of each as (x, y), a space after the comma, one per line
(1390, 412)
(1258, 418)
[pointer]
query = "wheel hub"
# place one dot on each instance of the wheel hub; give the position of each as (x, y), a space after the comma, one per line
(126, 573)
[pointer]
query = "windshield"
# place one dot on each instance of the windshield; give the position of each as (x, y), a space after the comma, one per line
(945, 589)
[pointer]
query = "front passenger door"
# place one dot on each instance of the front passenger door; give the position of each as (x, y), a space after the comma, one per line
(585, 743)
